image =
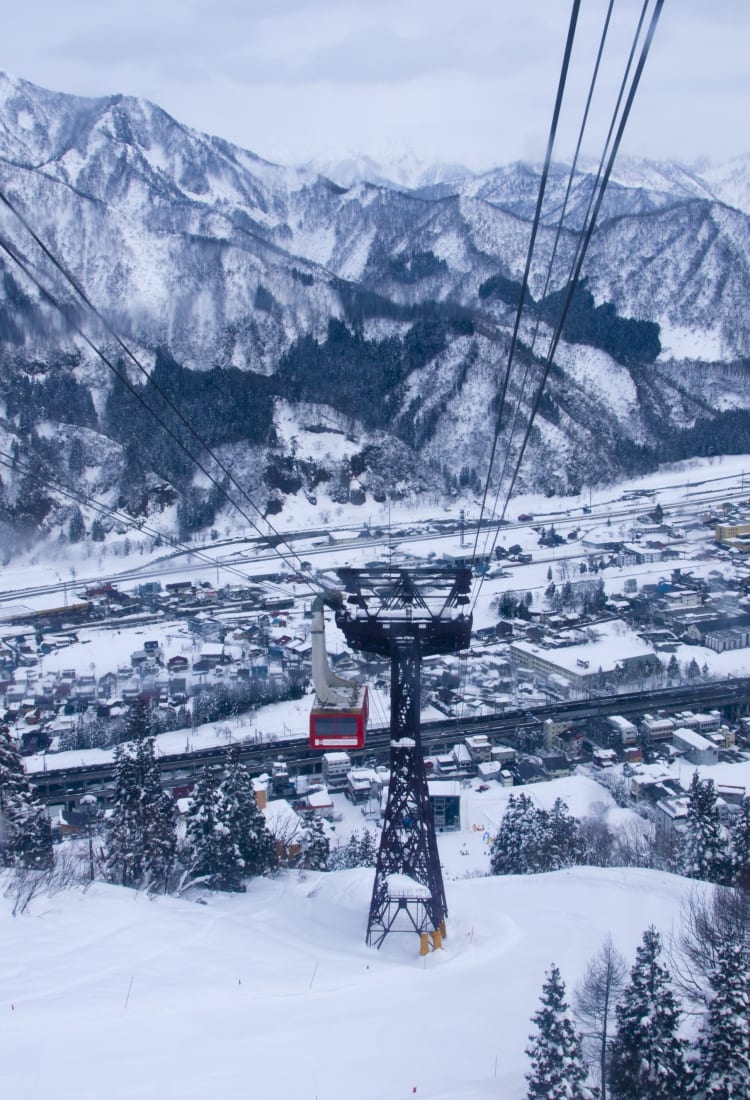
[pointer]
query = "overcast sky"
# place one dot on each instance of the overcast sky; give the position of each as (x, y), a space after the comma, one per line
(470, 81)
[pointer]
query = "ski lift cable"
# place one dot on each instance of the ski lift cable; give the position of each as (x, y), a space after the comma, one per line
(608, 140)
(158, 389)
(529, 254)
(294, 564)
(489, 539)
(581, 255)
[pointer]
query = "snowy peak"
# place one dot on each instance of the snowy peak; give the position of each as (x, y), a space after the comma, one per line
(404, 172)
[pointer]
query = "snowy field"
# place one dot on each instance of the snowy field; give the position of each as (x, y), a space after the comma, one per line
(274, 993)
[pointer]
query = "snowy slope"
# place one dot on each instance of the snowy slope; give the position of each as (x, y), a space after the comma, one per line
(275, 994)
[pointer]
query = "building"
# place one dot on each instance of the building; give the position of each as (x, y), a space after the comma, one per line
(445, 800)
(696, 748)
(616, 650)
(622, 728)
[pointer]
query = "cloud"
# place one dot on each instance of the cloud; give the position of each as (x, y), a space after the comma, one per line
(475, 80)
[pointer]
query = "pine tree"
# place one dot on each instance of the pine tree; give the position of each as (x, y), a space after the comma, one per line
(511, 849)
(722, 1071)
(228, 839)
(531, 840)
(317, 847)
(245, 821)
(647, 1060)
(563, 845)
(159, 815)
(141, 832)
(25, 830)
(739, 847)
(557, 1067)
(703, 851)
(215, 855)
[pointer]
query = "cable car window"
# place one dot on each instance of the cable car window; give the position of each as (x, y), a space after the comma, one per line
(346, 724)
(324, 725)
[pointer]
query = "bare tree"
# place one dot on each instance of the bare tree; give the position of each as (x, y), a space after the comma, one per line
(594, 1001)
(710, 917)
(21, 885)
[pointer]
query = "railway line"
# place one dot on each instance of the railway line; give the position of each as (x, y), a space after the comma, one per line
(732, 697)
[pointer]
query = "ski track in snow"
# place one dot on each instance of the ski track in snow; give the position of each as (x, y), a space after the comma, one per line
(276, 988)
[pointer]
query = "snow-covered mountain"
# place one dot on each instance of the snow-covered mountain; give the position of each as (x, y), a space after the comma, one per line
(281, 307)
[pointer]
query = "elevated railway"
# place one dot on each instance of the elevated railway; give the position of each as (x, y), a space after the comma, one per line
(732, 697)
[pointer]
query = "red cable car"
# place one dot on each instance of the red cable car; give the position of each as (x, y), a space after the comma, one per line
(338, 719)
(340, 726)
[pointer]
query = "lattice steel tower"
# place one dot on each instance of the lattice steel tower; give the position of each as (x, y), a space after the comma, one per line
(406, 616)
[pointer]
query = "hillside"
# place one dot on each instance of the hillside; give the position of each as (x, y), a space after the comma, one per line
(273, 304)
(274, 992)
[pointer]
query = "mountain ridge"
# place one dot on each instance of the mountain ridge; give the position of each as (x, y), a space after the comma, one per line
(358, 307)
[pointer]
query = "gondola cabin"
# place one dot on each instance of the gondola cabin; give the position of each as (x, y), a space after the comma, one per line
(342, 726)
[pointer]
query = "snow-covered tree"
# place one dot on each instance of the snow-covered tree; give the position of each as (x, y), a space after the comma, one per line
(316, 846)
(25, 831)
(141, 838)
(594, 1003)
(709, 919)
(722, 1070)
(557, 1066)
(246, 823)
(531, 840)
(563, 845)
(214, 853)
(647, 1060)
(359, 851)
(703, 850)
(517, 838)
(739, 847)
(227, 837)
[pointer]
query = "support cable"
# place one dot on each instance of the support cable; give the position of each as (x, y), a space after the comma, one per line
(89, 502)
(587, 229)
(530, 252)
(550, 266)
(586, 238)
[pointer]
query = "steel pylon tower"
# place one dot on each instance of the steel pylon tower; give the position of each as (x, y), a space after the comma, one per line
(405, 616)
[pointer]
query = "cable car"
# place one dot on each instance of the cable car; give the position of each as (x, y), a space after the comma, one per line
(338, 719)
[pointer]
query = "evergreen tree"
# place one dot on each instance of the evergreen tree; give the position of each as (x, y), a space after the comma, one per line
(516, 839)
(25, 830)
(557, 1067)
(76, 527)
(739, 847)
(215, 855)
(246, 823)
(702, 850)
(159, 815)
(317, 847)
(563, 845)
(227, 836)
(722, 1071)
(141, 833)
(531, 840)
(647, 1060)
